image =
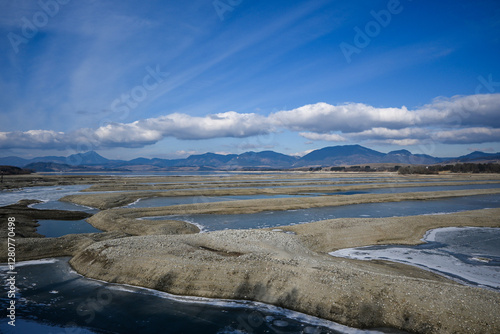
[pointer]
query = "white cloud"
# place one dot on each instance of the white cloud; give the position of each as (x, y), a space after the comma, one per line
(456, 120)
(322, 136)
(472, 110)
(385, 133)
(399, 142)
(476, 110)
(32, 139)
(184, 154)
(351, 117)
(227, 124)
(143, 132)
(468, 136)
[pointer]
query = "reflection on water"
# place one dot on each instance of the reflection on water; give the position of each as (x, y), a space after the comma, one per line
(375, 210)
(470, 254)
(54, 299)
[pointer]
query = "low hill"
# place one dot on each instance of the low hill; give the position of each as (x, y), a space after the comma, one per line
(332, 156)
(12, 170)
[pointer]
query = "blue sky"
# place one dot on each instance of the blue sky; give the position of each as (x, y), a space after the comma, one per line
(172, 78)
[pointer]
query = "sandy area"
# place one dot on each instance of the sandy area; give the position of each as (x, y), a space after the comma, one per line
(126, 220)
(116, 199)
(292, 270)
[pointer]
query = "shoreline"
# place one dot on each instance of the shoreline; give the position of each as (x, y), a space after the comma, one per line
(130, 220)
(98, 180)
(294, 271)
(105, 201)
(282, 269)
(290, 270)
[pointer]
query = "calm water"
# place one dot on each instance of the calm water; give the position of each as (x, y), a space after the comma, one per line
(54, 299)
(469, 254)
(376, 210)
(167, 201)
(56, 228)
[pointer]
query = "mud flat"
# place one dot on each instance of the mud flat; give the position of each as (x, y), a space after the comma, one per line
(26, 218)
(127, 220)
(291, 270)
(138, 186)
(37, 180)
(112, 182)
(294, 271)
(40, 248)
(330, 235)
(116, 199)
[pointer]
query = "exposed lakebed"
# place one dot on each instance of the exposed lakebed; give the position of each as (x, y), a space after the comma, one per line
(54, 298)
(213, 222)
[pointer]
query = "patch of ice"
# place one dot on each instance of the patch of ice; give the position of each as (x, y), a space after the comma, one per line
(4, 266)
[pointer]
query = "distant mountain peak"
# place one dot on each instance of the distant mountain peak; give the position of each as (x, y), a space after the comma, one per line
(87, 158)
(400, 152)
(342, 155)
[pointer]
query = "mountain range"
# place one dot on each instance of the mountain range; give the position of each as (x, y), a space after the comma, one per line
(346, 155)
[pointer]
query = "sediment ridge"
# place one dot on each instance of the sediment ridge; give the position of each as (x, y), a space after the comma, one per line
(127, 220)
(110, 200)
(294, 271)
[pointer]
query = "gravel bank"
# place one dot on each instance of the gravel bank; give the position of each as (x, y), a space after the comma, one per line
(292, 271)
(126, 220)
(288, 270)
(116, 199)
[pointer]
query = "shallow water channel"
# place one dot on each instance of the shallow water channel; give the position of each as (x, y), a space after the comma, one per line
(52, 298)
(210, 222)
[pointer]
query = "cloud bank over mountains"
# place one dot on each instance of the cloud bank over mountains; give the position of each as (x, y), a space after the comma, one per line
(456, 120)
